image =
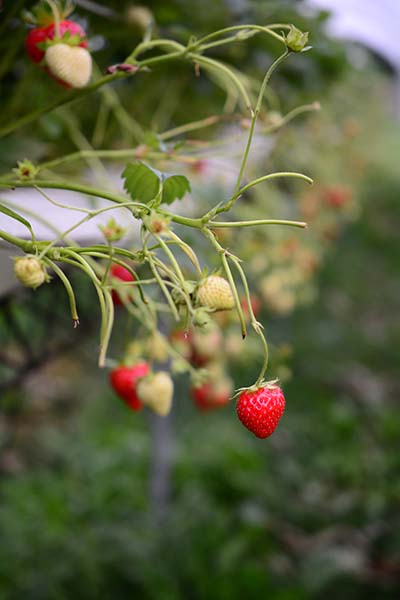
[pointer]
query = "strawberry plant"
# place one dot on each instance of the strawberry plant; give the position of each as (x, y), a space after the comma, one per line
(151, 260)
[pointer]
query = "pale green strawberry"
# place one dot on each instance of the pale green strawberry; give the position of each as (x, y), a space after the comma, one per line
(215, 293)
(30, 271)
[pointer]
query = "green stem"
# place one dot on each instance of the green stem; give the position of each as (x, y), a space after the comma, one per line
(207, 122)
(218, 66)
(84, 189)
(238, 305)
(149, 257)
(68, 288)
(266, 79)
(187, 250)
(163, 43)
(25, 245)
(56, 17)
(267, 29)
(292, 114)
(219, 224)
(222, 252)
(256, 325)
(78, 260)
(108, 330)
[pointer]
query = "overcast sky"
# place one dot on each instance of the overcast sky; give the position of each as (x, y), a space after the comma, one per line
(375, 23)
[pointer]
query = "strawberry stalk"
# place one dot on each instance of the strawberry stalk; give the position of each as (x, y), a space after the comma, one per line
(256, 325)
(56, 16)
(68, 288)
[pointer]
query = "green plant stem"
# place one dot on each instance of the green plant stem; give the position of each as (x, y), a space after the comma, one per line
(84, 189)
(177, 270)
(256, 325)
(192, 126)
(226, 207)
(149, 45)
(259, 28)
(149, 258)
(219, 224)
(238, 305)
(108, 329)
(222, 253)
(56, 17)
(72, 187)
(292, 114)
(83, 264)
(24, 245)
(187, 250)
(264, 84)
(68, 288)
(218, 66)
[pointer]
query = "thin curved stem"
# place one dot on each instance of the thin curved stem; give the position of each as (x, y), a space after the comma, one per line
(69, 290)
(219, 224)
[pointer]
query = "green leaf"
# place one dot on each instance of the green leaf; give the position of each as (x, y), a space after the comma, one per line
(175, 186)
(10, 213)
(141, 182)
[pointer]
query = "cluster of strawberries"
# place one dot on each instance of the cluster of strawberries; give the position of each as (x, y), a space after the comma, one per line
(59, 46)
(259, 409)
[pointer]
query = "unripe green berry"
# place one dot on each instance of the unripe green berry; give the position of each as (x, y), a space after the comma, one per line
(296, 40)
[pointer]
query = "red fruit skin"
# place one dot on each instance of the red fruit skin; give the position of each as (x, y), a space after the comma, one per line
(42, 34)
(206, 397)
(124, 380)
(123, 274)
(337, 196)
(182, 341)
(260, 410)
(255, 305)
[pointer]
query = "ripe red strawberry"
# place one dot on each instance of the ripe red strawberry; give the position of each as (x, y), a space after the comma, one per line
(337, 196)
(260, 410)
(212, 394)
(119, 272)
(124, 381)
(40, 35)
(182, 342)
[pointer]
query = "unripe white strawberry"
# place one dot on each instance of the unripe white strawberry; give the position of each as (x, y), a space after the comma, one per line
(140, 16)
(215, 293)
(72, 65)
(156, 392)
(157, 347)
(30, 271)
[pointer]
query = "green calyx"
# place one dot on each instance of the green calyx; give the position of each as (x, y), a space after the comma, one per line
(296, 40)
(66, 38)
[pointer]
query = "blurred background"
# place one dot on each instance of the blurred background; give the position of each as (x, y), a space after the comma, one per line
(99, 502)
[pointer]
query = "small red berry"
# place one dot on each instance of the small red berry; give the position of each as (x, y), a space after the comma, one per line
(124, 381)
(260, 410)
(119, 272)
(337, 196)
(212, 395)
(43, 34)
